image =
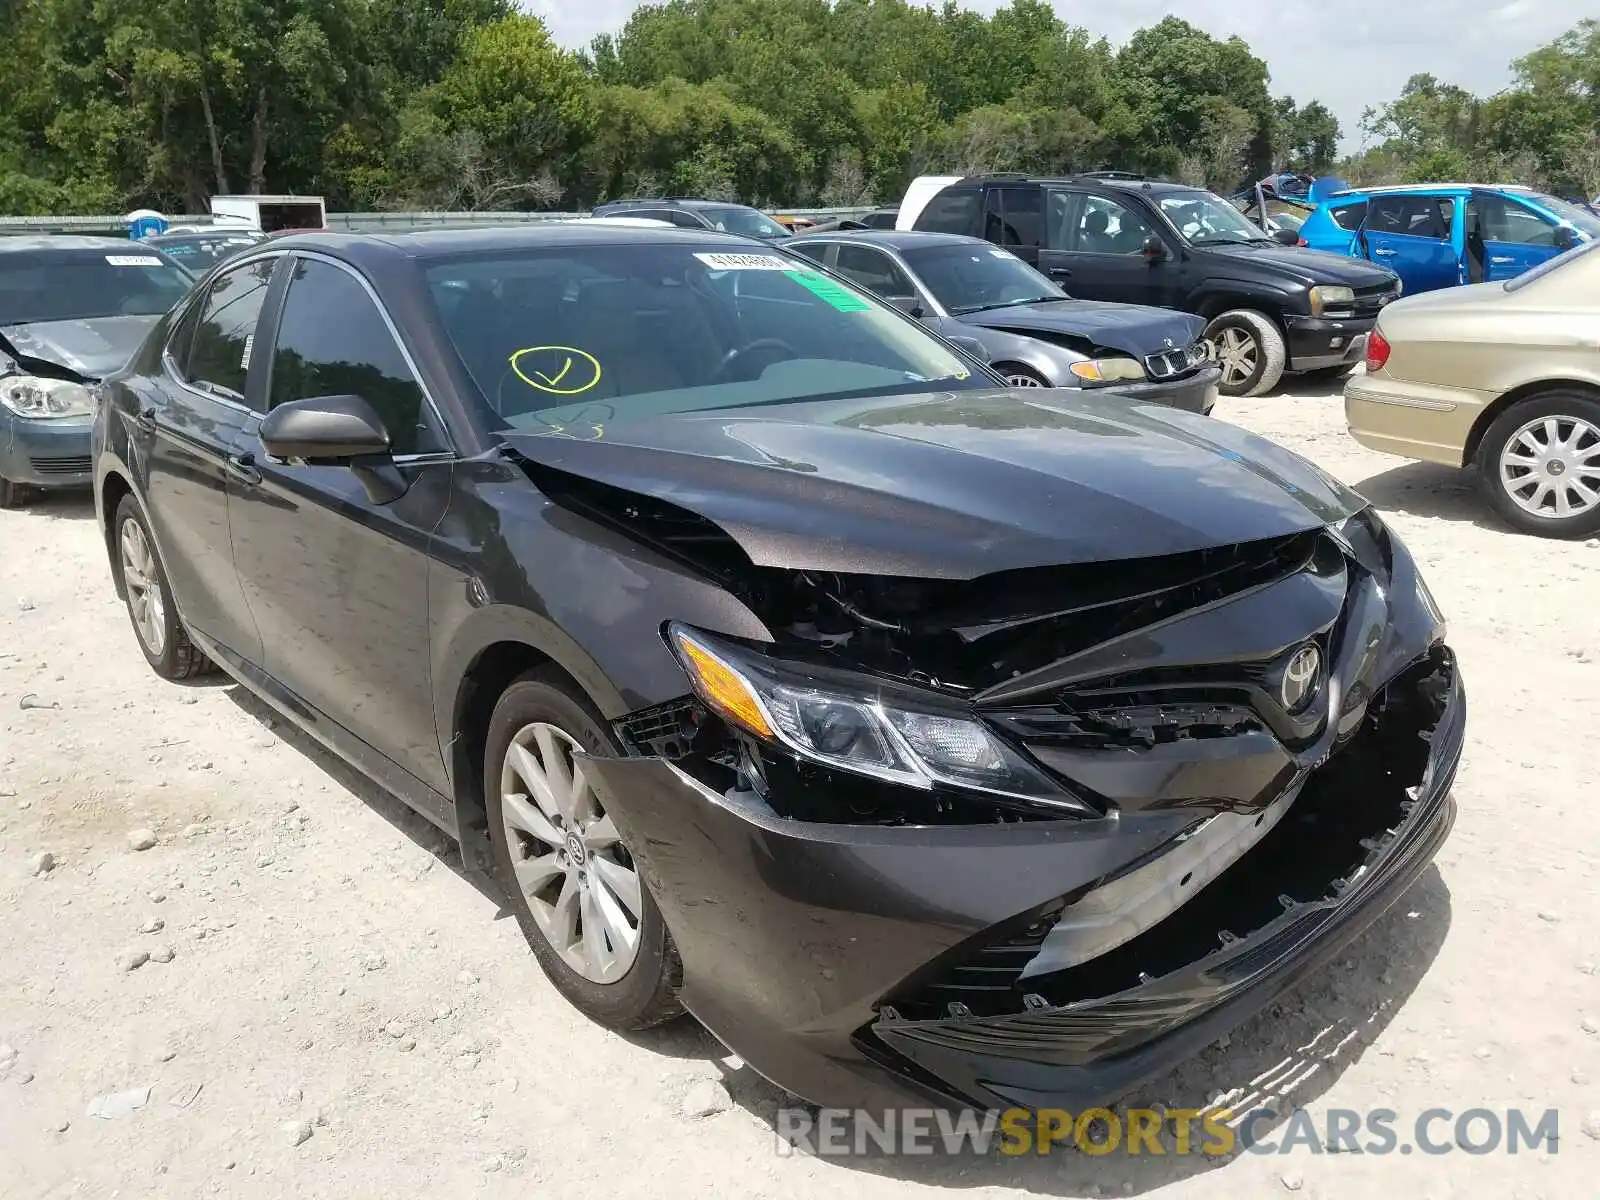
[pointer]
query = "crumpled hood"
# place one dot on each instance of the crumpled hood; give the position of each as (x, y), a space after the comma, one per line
(92, 347)
(1135, 329)
(956, 485)
(1309, 266)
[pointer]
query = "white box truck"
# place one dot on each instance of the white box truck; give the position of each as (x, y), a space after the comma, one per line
(270, 214)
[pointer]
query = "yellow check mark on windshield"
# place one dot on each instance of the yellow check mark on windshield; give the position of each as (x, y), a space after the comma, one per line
(552, 380)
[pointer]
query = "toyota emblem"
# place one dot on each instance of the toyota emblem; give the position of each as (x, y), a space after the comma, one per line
(1300, 678)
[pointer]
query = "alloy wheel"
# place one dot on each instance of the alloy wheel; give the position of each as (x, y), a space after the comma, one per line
(580, 883)
(1550, 467)
(146, 604)
(1023, 381)
(1237, 354)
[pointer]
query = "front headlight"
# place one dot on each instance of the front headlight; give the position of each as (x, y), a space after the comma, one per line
(45, 399)
(1108, 370)
(1325, 296)
(856, 727)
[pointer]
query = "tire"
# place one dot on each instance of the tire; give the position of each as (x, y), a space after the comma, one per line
(1261, 350)
(161, 636)
(542, 705)
(11, 494)
(1018, 375)
(1523, 431)
(1329, 374)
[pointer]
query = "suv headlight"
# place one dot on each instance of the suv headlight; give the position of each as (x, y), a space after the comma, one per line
(852, 724)
(45, 399)
(1108, 370)
(1324, 297)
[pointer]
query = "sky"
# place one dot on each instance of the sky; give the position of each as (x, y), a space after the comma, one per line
(1346, 61)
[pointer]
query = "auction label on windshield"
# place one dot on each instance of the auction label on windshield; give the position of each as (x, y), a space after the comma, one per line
(745, 262)
(133, 260)
(825, 289)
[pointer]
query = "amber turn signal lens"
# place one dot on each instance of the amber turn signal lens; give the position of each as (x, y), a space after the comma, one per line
(721, 687)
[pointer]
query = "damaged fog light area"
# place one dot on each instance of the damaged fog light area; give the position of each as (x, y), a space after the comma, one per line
(1302, 852)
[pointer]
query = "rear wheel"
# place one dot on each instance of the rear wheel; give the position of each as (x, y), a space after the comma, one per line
(567, 875)
(1539, 465)
(161, 634)
(1250, 350)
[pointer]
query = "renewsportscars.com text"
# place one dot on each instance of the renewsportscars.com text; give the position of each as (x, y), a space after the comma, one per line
(837, 1133)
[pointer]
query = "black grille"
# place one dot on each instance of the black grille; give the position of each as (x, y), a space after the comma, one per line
(1118, 725)
(72, 464)
(1169, 364)
(1370, 299)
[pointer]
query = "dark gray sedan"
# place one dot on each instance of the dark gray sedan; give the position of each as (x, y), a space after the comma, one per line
(1033, 332)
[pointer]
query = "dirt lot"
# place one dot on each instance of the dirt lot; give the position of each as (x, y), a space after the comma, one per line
(331, 1009)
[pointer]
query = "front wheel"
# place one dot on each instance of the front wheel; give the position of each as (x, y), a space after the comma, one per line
(1250, 350)
(1539, 465)
(162, 637)
(574, 887)
(1018, 376)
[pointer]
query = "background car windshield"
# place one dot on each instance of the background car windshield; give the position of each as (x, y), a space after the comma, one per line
(201, 252)
(1202, 217)
(79, 284)
(970, 278)
(582, 333)
(745, 221)
(1569, 214)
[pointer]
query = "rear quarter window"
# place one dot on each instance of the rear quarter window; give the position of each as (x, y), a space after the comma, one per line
(1349, 216)
(951, 211)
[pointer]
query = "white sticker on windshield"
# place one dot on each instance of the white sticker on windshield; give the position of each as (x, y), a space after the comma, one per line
(132, 260)
(745, 262)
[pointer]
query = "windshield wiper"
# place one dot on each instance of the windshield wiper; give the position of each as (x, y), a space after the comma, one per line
(972, 308)
(1229, 241)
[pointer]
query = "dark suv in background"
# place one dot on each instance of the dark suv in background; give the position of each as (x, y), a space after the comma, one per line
(1272, 309)
(699, 214)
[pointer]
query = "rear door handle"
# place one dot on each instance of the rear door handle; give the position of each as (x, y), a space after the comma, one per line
(1500, 259)
(243, 468)
(1381, 253)
(1060, 273)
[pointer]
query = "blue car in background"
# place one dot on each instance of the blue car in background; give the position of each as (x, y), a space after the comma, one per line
(1441, 235)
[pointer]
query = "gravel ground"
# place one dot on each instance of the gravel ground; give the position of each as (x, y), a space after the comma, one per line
(309, 999)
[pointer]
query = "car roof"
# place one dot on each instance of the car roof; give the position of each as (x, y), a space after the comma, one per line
(1401, 189)
(670, 202)
(895, 239)
(441, 243)
(34, 243)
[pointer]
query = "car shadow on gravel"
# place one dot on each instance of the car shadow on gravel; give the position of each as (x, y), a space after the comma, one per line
(62, 505)
(1422, 489)
(1282, 1059)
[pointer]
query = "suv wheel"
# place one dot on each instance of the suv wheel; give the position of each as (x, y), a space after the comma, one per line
(1250, 350)
(162, 637)
(567, 875)
(1539, 465)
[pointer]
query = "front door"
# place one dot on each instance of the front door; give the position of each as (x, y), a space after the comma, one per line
(1418, 236)
(337, 583)
(1013, 217)
(1096, 251)
(1508, 236)
(189, 420)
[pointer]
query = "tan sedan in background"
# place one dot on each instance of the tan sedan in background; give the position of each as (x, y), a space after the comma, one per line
(1504, 376)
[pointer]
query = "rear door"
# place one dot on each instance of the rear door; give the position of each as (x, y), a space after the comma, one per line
(1415, 235)
(187, 426)
(1515, 237)
(338, 584)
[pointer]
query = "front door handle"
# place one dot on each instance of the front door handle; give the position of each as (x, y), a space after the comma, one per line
(243, 468)
(1060, 273)
(147, 417)
(1500, 259)
(1381, 253)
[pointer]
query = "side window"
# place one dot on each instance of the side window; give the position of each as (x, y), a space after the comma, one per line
(1021, 216)
(220, 353)
(1411, 216)
(874, 270)
(333, 341)
(951, 211)
(1349, 216)
(181, 340)
(815, 251)
(1503, 220)
(1105, 226)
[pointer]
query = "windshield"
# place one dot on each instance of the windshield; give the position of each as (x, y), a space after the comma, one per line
(746, 221)
(969, 278)
(1568, 213)
(68, 285)
(1207, 219)
(572, 336)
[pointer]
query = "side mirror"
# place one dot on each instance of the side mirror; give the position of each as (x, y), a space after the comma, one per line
(1154, 249)
(325, 429)
(1286, 237)
(907, 305)
(971, 346)
(1566, 237)
(336, 430)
